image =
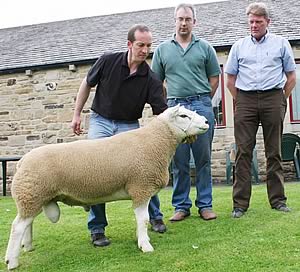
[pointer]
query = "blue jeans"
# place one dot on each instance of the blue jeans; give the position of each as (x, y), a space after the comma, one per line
(101, 127)
(201, 150)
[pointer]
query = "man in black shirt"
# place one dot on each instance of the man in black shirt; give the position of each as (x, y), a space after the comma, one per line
(125, 84)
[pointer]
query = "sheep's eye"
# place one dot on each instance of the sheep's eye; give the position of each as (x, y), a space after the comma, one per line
(183, 116)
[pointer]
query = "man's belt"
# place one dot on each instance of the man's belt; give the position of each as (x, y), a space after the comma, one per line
(262, 91)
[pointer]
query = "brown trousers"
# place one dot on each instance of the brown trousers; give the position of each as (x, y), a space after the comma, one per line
(252, 109)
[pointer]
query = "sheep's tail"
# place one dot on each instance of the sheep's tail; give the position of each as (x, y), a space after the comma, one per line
(52, 211)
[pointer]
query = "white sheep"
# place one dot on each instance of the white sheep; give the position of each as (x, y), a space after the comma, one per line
(131, 165)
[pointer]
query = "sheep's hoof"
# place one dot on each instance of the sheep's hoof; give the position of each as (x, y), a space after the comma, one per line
(28, 248)
(145, 246)
(12, 263)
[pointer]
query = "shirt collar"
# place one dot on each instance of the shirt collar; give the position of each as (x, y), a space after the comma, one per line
(142, 69)
(194, 38)
(124, 59)
(265, 37)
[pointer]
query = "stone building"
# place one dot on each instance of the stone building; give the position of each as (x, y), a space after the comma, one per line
(42, 66)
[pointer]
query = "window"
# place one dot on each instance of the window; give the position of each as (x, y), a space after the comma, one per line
(294, 99)
(218, 102)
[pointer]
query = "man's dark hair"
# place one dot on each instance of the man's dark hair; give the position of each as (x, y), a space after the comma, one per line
(134, 28)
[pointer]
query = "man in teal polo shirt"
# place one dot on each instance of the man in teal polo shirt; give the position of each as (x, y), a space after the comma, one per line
(191, 71)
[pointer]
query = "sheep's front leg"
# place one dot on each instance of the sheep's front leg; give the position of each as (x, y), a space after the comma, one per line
(18, 229)
(142, 219)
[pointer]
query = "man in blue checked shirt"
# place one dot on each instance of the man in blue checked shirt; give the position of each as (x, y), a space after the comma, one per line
(260, 76)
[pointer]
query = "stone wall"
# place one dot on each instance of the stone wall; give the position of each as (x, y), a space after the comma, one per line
(36, 109)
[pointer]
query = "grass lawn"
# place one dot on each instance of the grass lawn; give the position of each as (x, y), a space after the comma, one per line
(263, 240)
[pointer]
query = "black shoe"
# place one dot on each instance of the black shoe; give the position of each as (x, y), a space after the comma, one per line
(158, 225)
(99, 240)
(238, 212)
(282, 208)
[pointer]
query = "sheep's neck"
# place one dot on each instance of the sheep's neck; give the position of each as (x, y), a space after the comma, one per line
(164, 137)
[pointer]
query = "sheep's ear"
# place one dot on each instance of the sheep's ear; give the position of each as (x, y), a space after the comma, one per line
(173, 112)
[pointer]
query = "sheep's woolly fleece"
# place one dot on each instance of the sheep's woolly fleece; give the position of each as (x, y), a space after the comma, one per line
(86, 171)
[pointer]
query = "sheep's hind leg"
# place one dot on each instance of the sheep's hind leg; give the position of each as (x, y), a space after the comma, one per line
(18, 229)
(27, 239)
(142, 219)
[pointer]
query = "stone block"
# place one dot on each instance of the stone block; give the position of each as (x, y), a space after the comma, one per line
(36, 104)
(23, 91)
(21, 115)
(218, 155)
(38, 114)
(54, 126)
(52, 75)
(50, 119)
(49, 137)
(53, 106)
(33, 137)
(23, 132)
(16, 140)
(65, 116)
(4, 113)
(23, 123)
(41, 127)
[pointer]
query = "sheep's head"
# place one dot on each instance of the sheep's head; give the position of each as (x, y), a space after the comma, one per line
(186, 123)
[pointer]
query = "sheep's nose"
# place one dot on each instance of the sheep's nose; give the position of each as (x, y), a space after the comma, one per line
(206, 122)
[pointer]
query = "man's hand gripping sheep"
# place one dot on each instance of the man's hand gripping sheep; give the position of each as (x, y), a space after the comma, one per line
(131, 165)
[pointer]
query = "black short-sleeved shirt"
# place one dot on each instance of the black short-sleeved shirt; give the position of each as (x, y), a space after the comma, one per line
(121, 96)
